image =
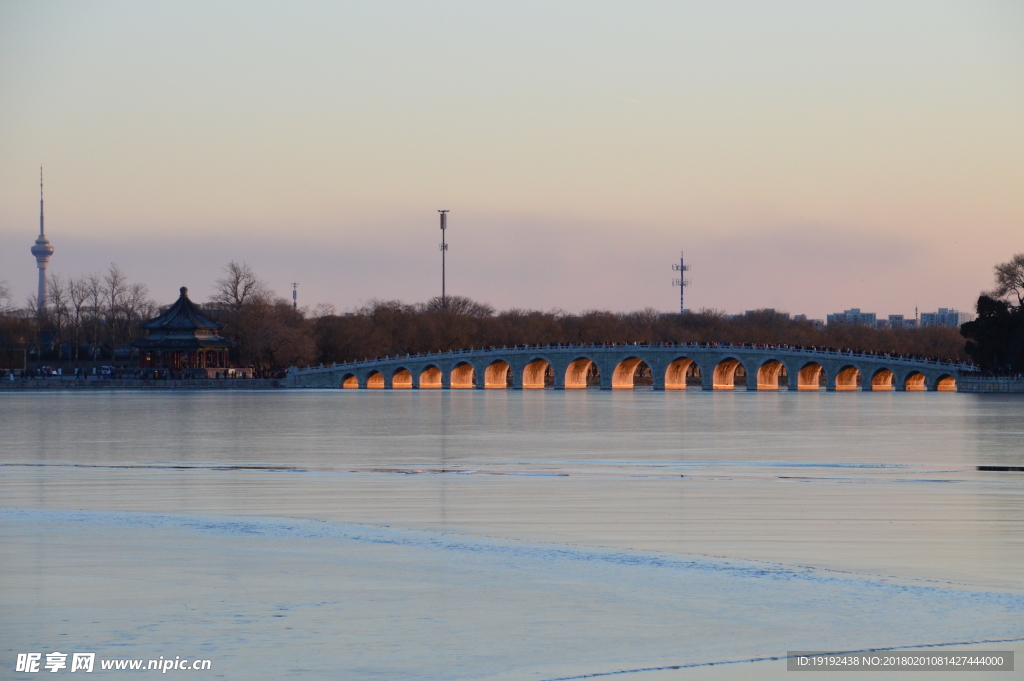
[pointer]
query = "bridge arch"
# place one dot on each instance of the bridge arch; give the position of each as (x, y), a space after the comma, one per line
(401, 379)
(463, 376)
(580, 372)
(677, 371)
(945, 383)
(725, 372)
(770, 373)
(430, 378)
(848, 378)
(375, 380)
(497, 375)
(915, 381)
(810, 376)
(883, 379)
(537, 374)
(626, 372)
(349, 382)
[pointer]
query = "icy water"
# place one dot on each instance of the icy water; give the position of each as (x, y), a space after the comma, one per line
(508, 535)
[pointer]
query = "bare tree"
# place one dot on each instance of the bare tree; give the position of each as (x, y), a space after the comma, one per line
(78, 296)
(137, 307)
(279, 337)
(57, 307)
(5, 296)
(94, 301)
(240, 286)
(460, 305)
(1010, 279)
(115, 286)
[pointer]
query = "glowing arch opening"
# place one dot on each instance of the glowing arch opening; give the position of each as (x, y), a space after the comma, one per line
(883, 379)
(726, 373)
(770, 374)
(581, 373)
(463, 376)
(848, 378)
(538, 374)
(430, 378)
(497, 376)
(402, 380)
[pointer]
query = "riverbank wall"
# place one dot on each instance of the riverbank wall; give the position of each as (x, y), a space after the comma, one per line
(990, 384)
(71, 383)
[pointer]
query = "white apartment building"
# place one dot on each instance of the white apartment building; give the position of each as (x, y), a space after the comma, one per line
(945, 317)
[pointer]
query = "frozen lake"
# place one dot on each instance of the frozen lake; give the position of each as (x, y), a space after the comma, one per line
(508, 535)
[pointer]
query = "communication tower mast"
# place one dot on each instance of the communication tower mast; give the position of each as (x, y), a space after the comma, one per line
(682, 282)
(295, 296)
(444, 249)
(42, 250)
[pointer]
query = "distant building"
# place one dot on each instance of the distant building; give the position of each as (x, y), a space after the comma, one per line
(945, 317)
(853, 316)
(898, 321)
(182, 338)
(819, 324)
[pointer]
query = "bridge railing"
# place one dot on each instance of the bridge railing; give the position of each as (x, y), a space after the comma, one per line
(961, 366)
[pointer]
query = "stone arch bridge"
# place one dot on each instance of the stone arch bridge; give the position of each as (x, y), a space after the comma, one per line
(611, 366)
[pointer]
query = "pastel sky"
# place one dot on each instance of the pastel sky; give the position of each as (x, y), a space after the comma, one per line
(807, 156)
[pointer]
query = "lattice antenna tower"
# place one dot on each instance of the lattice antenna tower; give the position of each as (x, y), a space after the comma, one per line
(295, 296)
(682, 282)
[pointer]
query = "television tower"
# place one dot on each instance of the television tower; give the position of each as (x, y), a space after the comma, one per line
(42, 250)
(682, 282)
(444, 249)
(295, 296)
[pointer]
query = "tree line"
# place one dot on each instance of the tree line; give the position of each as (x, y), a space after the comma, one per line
(95, 314)
(85, 318)
(382, 328)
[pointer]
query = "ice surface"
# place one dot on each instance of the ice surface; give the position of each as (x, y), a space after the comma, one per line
(279, 598)
(473, 535)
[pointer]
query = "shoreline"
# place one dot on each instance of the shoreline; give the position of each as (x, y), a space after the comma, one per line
(71, 383)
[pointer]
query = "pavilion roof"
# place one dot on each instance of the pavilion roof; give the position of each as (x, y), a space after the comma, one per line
(182, 316)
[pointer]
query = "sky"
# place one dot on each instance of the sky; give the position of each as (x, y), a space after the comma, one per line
(806, 156)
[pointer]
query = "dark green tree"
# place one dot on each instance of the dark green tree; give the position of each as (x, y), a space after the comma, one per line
(995, 340)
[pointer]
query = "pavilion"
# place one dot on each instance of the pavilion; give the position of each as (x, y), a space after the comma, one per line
(182, 338)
